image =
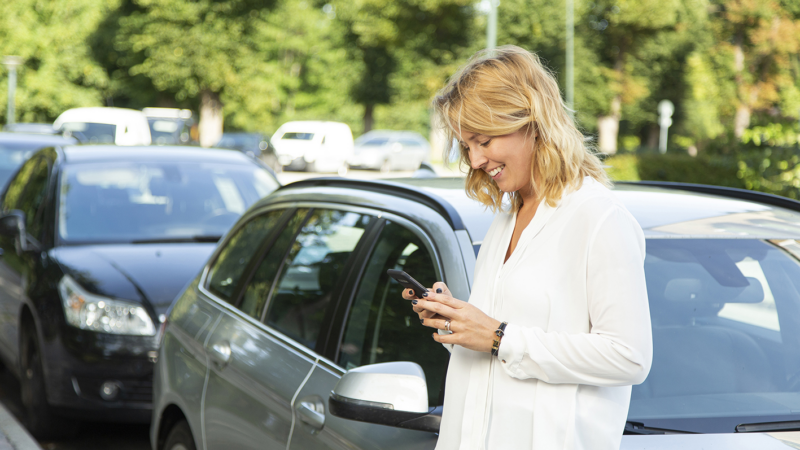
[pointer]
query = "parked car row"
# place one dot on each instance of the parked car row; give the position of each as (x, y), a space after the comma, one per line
(293, 336)
(96, 242)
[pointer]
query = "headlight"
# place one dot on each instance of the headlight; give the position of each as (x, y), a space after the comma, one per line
(102, 314)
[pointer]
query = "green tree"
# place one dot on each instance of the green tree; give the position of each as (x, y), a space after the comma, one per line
(59, 71)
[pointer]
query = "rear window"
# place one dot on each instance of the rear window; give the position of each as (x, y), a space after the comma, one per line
(298, 136)
(90, 133)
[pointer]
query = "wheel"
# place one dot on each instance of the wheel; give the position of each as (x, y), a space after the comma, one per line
(343, 169)
(386, 167)
(39, 417)
(180, 437)
(311, 167)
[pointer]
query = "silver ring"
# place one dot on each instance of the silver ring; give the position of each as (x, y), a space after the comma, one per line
(447, 324)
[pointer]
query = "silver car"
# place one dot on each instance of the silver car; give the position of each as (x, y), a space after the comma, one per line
(294, 337)
(387, 150)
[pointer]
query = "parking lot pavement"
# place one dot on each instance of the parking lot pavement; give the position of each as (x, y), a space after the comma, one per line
(13, 436)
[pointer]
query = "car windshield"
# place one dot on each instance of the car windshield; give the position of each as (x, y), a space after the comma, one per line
(726, 334)
(129, 202)
(12, 155)
(90, 133)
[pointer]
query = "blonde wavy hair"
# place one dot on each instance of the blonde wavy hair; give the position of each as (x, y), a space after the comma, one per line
(504, 90)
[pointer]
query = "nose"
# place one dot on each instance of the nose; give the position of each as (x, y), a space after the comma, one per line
(476, 157)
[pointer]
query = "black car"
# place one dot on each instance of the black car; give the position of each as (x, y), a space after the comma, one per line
(96, 242)
(16, 147)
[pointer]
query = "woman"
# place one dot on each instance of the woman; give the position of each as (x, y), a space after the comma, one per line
(562, 265)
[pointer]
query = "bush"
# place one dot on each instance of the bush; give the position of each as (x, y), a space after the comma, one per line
(774, 170)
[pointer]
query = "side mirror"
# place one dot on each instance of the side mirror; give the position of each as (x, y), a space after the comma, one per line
(12, 224)
(393, 394)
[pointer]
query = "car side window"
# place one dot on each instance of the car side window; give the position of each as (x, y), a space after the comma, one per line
(27, 192)
(227, 269)
(259, 287)
(381, 326)
(311, 270)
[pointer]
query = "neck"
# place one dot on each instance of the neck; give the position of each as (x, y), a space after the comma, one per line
(528, 197)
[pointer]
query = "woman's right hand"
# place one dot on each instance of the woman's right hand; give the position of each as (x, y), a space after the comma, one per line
(409, 294)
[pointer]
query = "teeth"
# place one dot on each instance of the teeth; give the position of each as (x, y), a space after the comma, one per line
(496, 171)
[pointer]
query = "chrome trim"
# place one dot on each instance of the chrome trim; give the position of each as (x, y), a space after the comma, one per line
(357, 402)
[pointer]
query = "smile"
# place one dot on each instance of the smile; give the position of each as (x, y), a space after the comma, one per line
(496, 171)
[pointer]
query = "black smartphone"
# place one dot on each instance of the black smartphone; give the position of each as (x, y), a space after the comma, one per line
(407, 281)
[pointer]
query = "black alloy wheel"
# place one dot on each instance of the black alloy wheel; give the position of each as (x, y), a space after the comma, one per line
(180, 437)
(40, 419)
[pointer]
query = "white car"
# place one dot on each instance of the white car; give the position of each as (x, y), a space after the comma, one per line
(314, 146)
(105, 125)
(388, 150)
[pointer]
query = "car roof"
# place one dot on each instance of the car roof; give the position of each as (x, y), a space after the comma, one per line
(44, 139)
(105, 153)
(98, 114)
(663, 210)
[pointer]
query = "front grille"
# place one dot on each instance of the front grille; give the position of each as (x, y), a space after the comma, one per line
(131, 389)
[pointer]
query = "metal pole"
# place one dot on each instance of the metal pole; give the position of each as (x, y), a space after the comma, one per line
(11, 62)
(491, 25)
(570, 87)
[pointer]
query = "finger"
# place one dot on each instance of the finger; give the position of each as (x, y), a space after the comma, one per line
(450, 338)
(439, 324)
(438, 308)
(440, 288)
(408, 294)
(444, 299)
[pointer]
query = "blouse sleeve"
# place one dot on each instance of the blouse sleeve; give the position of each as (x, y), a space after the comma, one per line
(618, 350)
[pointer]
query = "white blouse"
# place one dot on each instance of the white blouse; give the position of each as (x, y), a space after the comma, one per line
(578, 336)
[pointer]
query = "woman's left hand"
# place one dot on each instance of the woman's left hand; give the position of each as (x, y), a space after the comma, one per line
(470, 327)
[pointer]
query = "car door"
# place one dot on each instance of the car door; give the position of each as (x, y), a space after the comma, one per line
(379, 327)
(262, 352)
(27, 192)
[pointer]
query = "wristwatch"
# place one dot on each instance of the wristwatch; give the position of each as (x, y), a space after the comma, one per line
(499, 332)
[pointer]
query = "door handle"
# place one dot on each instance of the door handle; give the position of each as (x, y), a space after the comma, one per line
(221, 353)
(312, 412)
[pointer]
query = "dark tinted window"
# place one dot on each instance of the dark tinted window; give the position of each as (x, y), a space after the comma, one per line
(229, 266)
(12, 155)
(376, 142)
(259, 288)
(381, 326)
(27, 193)
(410, 143)
(312, 268)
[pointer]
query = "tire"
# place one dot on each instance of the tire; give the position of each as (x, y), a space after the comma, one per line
(343, 169)
(40, 419)
(180, 438)
(311, 167)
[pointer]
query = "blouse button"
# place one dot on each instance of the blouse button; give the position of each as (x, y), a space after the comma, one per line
(504, 361)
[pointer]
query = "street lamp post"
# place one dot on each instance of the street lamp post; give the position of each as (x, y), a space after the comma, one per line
(665, 111)
(491, 25)
(11, 62)
(570, 72)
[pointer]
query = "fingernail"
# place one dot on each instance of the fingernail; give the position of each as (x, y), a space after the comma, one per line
(410, 292)
(414, 302)
(425, 294)
(433, 336)
(422, 321)
(438, 290)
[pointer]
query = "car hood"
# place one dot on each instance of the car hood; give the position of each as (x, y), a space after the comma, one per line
(719, 441)
(153, 273)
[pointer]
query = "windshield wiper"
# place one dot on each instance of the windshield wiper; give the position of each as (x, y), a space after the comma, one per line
(766, 427)
(168, 240)
(639, 428)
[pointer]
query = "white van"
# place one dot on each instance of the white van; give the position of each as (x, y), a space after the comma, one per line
(105, 125)
(314, 146)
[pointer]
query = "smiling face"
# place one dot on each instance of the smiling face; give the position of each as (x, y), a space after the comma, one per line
(506, 159)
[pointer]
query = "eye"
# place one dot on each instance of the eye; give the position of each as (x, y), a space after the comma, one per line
(485, 144)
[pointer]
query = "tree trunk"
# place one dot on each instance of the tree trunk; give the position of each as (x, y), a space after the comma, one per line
(210, 118)
(742, 119)
(608, 128)
(368, 119)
